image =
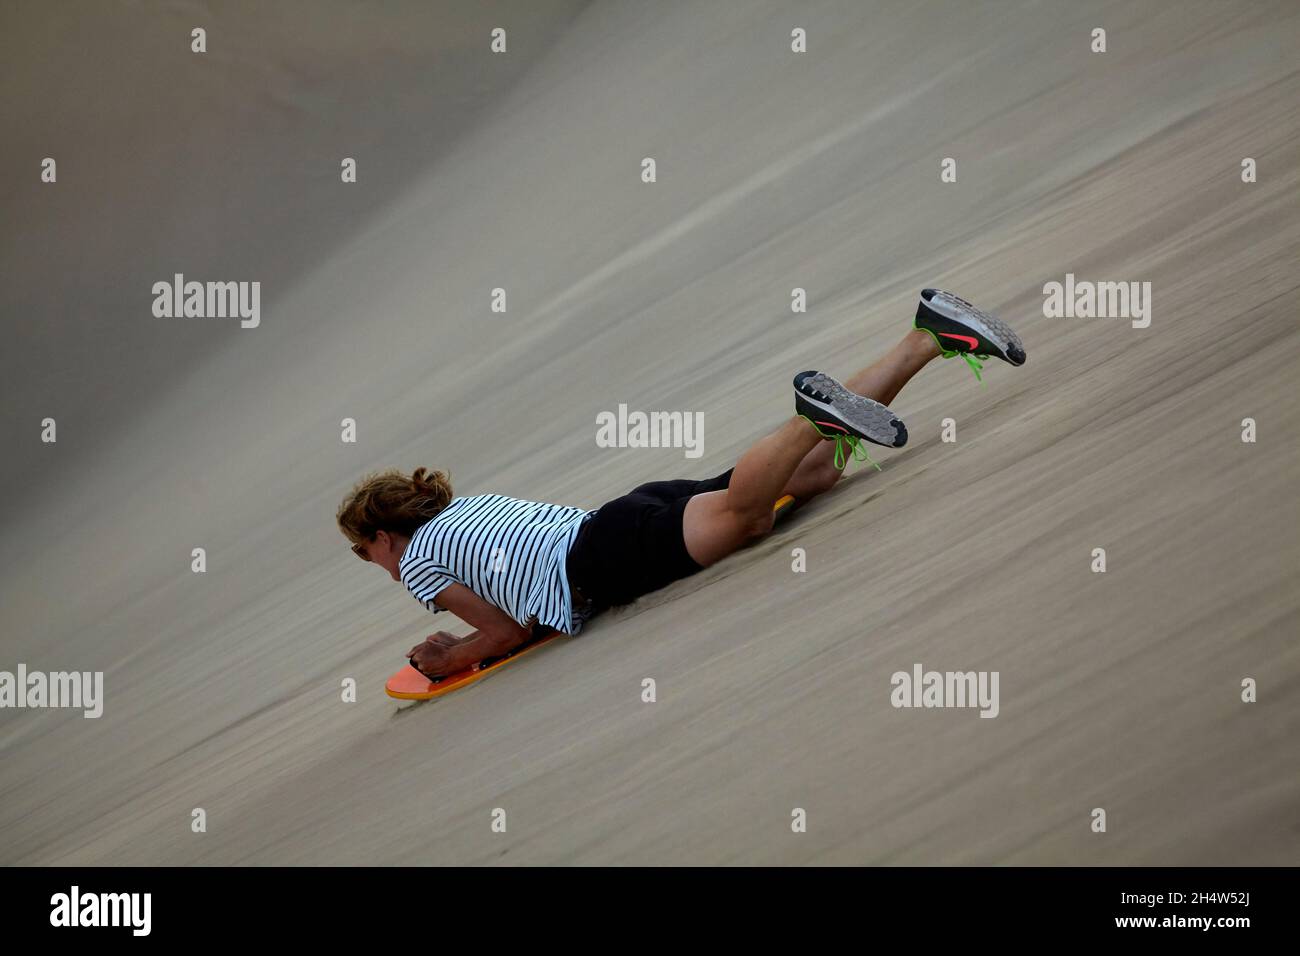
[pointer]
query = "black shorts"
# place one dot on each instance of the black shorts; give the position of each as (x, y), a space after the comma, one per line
(633, 545)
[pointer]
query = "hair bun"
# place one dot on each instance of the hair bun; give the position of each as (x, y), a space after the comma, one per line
(433, 484)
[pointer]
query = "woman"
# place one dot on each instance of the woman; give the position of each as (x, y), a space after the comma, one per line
(513, 568)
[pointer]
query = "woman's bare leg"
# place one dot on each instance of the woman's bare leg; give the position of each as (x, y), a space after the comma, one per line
(881, 381)
(794, 460)
(717, 523)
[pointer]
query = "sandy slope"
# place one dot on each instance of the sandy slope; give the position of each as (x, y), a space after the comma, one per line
(821, 171)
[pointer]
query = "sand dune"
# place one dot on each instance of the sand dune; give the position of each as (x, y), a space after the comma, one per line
(775, 170)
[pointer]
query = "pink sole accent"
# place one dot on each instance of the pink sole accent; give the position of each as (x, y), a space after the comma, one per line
(974, 342)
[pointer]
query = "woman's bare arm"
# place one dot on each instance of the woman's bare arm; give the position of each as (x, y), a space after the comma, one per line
(496, 633)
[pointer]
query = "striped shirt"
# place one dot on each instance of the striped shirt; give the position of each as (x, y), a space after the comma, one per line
(509, 552)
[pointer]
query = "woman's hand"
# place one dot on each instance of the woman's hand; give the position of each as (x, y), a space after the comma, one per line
(436, 657)
(442, 653)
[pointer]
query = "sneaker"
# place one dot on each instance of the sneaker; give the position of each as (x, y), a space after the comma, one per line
(958, 328)
(845, 417)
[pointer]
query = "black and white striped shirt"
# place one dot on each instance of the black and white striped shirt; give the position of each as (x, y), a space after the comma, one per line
(509, 552)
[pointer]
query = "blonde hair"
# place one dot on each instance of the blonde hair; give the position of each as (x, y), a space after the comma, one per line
(392, 501)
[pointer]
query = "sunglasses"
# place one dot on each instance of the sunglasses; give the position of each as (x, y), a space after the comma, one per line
(360, 550)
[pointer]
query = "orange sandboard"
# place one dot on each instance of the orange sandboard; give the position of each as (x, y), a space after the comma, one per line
(410, 684)
(783, 507)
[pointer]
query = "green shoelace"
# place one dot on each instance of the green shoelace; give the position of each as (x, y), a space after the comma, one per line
(853, 441)
(971, 360)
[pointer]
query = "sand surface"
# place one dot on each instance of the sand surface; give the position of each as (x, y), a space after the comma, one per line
(775, 170)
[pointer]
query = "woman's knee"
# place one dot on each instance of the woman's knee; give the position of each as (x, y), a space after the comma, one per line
(712, 529)
(756, 525)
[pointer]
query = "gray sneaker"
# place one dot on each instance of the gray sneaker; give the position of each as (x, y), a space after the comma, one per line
(840, 414)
